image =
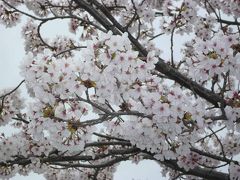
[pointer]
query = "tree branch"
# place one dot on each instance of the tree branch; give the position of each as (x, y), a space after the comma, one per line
(161, 66)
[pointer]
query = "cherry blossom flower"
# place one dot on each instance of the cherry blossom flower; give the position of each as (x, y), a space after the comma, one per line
(121, 86)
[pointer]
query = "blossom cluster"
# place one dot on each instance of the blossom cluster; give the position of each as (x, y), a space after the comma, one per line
(108, 66)
(114, 86)
(213, 57)
(85, 174)
(10, 106)
(8, 17)
(234, 171)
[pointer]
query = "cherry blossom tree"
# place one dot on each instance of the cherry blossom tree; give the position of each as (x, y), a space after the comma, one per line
(109, 96)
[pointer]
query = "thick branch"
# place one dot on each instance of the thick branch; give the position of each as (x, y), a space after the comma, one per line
(207, 173)
(197, 171)
(101, 165)
(58, 158)
(161, 66)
